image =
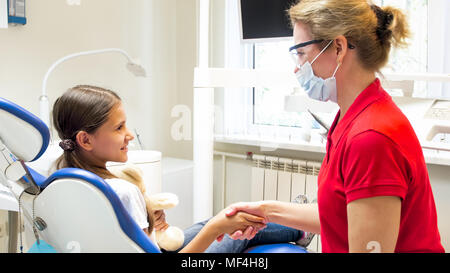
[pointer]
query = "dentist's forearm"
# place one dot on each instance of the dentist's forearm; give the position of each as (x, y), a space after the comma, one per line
(299, 216)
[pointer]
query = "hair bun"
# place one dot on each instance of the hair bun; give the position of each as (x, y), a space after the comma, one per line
(67, 145)
(384, 18)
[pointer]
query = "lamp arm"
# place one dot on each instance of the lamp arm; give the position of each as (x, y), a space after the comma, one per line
(71, 56)
(43, 99)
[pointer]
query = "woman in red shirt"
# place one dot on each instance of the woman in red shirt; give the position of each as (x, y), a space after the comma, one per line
(374, 191)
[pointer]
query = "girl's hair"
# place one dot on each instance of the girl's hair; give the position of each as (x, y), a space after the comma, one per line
(371, 29)
(81, 108)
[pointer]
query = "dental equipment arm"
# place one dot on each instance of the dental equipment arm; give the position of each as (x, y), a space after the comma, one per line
(44, 113)
(320, 121)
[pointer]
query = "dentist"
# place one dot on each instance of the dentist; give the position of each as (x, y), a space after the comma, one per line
(374, 191)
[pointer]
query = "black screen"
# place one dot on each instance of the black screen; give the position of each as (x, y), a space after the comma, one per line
(262, 19)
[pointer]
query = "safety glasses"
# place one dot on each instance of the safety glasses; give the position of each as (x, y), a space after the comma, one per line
(295, 54)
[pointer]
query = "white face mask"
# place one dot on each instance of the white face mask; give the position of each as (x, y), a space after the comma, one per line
(316, 87)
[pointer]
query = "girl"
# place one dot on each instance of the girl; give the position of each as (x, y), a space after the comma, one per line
(91, 122)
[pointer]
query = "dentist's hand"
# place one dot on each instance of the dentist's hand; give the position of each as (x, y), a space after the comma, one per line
(230, 224)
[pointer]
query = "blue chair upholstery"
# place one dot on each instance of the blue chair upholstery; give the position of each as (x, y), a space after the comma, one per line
(277, 248)
(38, 178)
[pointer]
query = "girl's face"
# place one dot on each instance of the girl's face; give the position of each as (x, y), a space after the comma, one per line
(110, 141)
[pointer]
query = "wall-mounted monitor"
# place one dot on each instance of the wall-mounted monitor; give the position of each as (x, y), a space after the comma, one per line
(265, 20)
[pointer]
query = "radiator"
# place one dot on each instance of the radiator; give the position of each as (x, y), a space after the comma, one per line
(284, 179)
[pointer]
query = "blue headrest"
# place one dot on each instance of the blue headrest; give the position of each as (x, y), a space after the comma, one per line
(128, 225)
(25, 135)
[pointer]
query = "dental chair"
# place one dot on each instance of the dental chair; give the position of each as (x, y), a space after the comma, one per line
(73, 210)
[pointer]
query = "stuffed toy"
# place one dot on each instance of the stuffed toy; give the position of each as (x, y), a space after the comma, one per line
(170, 239)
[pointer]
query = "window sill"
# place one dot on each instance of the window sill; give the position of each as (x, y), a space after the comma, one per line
(268, 144)
(433, 157)
(436, 157)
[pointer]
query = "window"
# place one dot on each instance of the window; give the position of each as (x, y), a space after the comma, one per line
(426, 53)
(269, 104)
(415, 56)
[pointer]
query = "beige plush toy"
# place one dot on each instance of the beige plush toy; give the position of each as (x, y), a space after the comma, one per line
(170, 239)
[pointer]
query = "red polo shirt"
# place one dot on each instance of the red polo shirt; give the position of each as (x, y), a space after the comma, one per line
(373, 151)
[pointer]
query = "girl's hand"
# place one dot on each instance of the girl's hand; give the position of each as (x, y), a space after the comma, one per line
(160, 220)
(222, 224)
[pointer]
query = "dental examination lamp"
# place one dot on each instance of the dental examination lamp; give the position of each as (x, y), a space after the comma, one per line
(44, 112)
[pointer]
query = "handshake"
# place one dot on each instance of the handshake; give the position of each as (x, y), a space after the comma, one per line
(241, 220)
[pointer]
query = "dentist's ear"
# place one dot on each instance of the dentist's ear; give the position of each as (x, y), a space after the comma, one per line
(341, 45)
(84, 141)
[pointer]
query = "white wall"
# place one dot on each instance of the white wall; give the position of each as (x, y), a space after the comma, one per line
(440, 183)
(161, 34)
(186, 60)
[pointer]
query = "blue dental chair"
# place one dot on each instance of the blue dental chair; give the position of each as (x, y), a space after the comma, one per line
(73, 210)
